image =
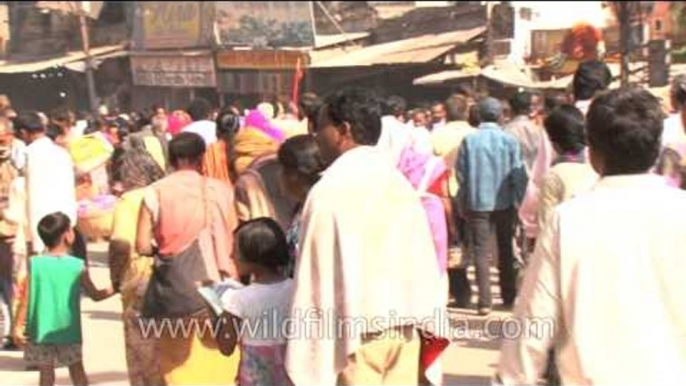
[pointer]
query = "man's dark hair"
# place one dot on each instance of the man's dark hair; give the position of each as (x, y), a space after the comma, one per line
(520, 103)
(140, 124)
(473, 117)
(457, 108)
(464, 90)
(30, 122)
(301, 154)
(199, 109)
(61, 116)
(566, 128)
(309, 105)
(437, 103)
(186, 146)
(490, 110)
(361, 109)
(395, 106)
(625, 129)
(52, 227)
(54, 131)
(591, 77)
(553, 101)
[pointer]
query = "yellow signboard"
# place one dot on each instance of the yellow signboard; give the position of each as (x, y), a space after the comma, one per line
(171, 24)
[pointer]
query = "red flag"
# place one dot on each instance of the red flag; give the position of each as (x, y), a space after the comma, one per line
(297, 78)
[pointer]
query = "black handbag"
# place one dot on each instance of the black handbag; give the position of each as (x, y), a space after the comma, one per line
(172, 290)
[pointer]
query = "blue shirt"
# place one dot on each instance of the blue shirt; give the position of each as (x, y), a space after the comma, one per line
(490, 171)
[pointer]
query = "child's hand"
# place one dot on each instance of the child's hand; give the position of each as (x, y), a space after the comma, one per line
(18, 336)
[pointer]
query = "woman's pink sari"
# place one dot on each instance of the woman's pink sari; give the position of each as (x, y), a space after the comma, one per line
(423, 171)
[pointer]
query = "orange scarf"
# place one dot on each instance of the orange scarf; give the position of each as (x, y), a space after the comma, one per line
(215, 164)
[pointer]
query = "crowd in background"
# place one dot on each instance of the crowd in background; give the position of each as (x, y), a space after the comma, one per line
(357, 204)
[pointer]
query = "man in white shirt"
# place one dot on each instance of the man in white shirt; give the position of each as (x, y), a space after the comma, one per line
(446, 142)
(366, 254)
(438, 115)
(395, 134)
(200, 111)
(50, 179)
(419, 132)
(605, 287)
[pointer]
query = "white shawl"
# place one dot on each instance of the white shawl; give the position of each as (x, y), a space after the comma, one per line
(366, 255)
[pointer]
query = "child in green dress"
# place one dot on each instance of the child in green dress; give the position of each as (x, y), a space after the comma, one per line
(53, 324)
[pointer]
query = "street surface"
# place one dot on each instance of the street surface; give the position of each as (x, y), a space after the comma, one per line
(466, 362)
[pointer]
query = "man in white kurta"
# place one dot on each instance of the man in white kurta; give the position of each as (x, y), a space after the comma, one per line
(605, 287)
(50, 179)
(367, 275)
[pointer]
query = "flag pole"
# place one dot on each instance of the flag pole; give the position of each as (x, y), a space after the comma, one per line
(297, 78)
(90, 79)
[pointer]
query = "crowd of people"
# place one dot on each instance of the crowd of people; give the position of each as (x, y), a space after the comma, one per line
(357, 210)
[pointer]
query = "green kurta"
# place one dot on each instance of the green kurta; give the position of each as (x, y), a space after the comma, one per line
(54, 309)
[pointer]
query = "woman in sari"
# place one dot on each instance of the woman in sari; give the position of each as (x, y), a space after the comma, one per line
(258, 193)
(429, 175)
(134, 169)
(219, 159)
(301, 167)
(190, 218)
(256, 139)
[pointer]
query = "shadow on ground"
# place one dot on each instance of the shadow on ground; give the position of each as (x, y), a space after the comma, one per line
(118, 377)
(14, 363)
(104, 315)
(466, 380)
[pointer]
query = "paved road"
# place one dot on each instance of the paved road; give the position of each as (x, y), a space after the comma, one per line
(467, 361)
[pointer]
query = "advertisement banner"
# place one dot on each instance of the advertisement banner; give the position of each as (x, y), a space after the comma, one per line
(261, 59)
(173, 71)
(272, 24)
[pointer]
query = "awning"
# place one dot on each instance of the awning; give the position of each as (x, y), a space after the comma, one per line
(467, 67)
(445, 76)
(100, 53)
(511, 75)
(330, 40)
(80, 66)
(172, 53)
(422, 49)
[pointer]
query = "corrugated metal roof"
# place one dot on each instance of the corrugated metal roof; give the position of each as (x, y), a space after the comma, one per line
(13, 67)
(509, 74)
(422, 49)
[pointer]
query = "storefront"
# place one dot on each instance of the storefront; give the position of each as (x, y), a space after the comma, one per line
(247, 77)
(171, 60)
(172, 79)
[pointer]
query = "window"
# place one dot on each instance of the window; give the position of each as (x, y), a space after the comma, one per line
(658, 25)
